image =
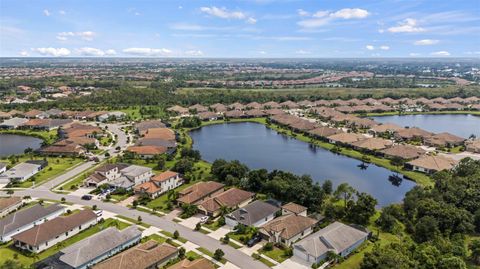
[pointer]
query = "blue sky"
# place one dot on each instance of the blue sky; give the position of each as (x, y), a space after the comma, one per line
(240, 28)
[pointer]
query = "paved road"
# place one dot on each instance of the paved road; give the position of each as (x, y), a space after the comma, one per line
(235, 256)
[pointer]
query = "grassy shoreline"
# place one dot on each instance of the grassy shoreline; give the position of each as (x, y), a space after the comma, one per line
(396, 113)
(417, 177)
(48, 137)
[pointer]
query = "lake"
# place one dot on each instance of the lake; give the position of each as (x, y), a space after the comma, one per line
(260, 147)
(459, 124)
(16, 144)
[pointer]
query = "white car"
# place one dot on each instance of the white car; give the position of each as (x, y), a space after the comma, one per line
(204, 219)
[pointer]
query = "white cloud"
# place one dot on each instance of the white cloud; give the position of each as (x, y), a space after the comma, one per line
(440, 53)
(86, 35)
(369, 47)
(384, 47)
(322, 17)
(226, 14)
(302, 52)
(262, 52)
(407, 26)
(55, 52)
(62, 12)
(426, 42)
(110, 52)
(414, 54)
(137, 13)
(148, 51)
(24, 53)
(194, 53)
(91, 52)
(350, 13)
(46, 12)
(302, 13)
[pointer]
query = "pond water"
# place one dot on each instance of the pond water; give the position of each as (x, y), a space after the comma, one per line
(458, 124)
(260, 147)
(16, 144)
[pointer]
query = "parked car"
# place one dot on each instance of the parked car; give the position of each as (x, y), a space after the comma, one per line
(254, 240)
(204, 219)
(86, 197)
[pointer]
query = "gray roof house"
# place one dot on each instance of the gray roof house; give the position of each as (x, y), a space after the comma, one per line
(13, 123)
(99, 247)
(131, 176)
(337, 237)
(25, 219)
(254, 214)
(21, 172)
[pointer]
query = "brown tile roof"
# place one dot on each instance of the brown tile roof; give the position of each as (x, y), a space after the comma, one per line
(160, 133)
(274, 111)
(254, 105)
(63, 147)
(148, 187)
(219, 107)
(435, 163)
(294, 208)
(386, 127)
(6, 202)
(142, 256)
(289, 225)
(199, 108)
(164, 176)
(32, 113)
(346, 137)
(195, 264)
(271, 104)
(234, 114)
(443, 139)
(229, 198)
(409, 133)
(373, 143)
(147, 150)
(237, 106)
(49, 230)
(199, 191)
(324, 131)
(406, 152)
(289, 104)
(255, 113)
(178, 109)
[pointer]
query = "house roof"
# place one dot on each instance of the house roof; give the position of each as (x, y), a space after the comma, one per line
(178, 109)
(147, 150)
(386, 127)
(198, 191)
(55, 227)
(7, 202)
(253, 212)
(26, 216)
(148, 124)
(254, 105)
(207, 115)
(141, 256)
(32, 113)
(373, 143)
(444, 138)
(148, 187)
(135, 170)
(294, 208)
(97, 245)
(229, 198)
(21, 170)
(324, 131)
(219, 107)
(404, 151)
(199, 108)
(164, 176)
(289, 225)
(336, 237)
(234, 114)
(346, 137)
(63, 146)
(435, 163)
(156, 142)
(271, 104)
(412, 132)
(160, 133)
(195, 264)
(255, 113)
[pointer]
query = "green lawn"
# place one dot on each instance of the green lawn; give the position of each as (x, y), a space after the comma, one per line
(160, 203)
(263, 260)
(275, 254)
(8, 251)
(209, 253)
(56, 166)
(133, 221)
(155, 237)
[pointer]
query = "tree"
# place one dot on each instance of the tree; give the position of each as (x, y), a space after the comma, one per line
(475, 250)
(426, 229)
(451, 263)
(12, 264)
(176, 234)
(327, 187)
(218, 254)
(390, 256)
(386, 221)
(181, 252)
(183, 166)
(363, 209)
(344, 191)
(198, 226)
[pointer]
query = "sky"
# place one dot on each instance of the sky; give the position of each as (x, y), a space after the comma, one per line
(240, 28)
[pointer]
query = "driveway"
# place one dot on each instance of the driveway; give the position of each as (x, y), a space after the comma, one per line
(192, 221)
(220, 232)
(293, 263)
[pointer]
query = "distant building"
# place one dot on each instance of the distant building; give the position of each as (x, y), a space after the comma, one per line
(287, 229)
(13, 123)
(21, 172)
(254, 214)
(9, 204)
(116, 115)
(159, 184)
(199, 192)
(430, 164)
(232, 198)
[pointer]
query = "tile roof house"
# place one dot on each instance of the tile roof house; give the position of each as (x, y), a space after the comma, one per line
(195, 264)
(345, 138)
(406, 152)
(49, 233)
(234, 114)
(198, 108)
(254, 214)
(159, 184)
(430, 164)
(9, 204)
(64, 148)
(293, 208)
(46, 124)
(337, 237)
(287, 229)
(143, 126)
(411, 133)
(372, 144)
(147, 151)
(144, 256)
(237, 106)
(178, 110)
(289, 104)
(218, 107)
(254, 105)
(160, 133)
(208, 116)
(473, 146)
(271, 104)
(131, 176)
(13, 123)
(100, 246)
(232, 198)
(323, 132)
(25, 219)
(103, 174)
(253, 113)
(444, 140)
(199, 192)
(385, 128)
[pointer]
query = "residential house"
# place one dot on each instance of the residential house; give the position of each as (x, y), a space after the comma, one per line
(160, 133)
(148, 255)
(430, 164)
(33, 114)
(287, 229)
(337, 237)
(115, 115)
(254, 214)
(473, 146)
(405, 152)
(236, 106)
(147, 151)
(444, 140)
(345, 138)
(234, 114)
(64, 148)
(208, 116)
(198, 108)
(143, 126)
(24, 219)
(178, 110)
(254, 105)
(9, 204)
(372, 144)
(411, 134)
(104, 174)
(199, 192)
(385, 128)
(46, 124)
(160, 184)
(94, 249)
(201, 263)
(219, 108)
(324, 132)
(231, 199)
(295, 209)
(13, 123)
(51, 232)
(271, 105)
(131, 176)
(21, 172)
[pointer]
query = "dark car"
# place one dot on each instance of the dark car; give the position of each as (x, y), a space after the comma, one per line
(87, 197)
(255, 239)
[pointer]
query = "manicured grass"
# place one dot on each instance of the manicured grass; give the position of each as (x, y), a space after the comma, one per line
(275, 254)
(134, 221)
(169, 234)
(160, 203)
(78, 180)
(263, 260)
(8, 251)
(56, 166)
(155, 237)
(208, 253)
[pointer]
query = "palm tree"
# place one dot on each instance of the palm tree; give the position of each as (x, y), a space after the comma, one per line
(346, 191)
